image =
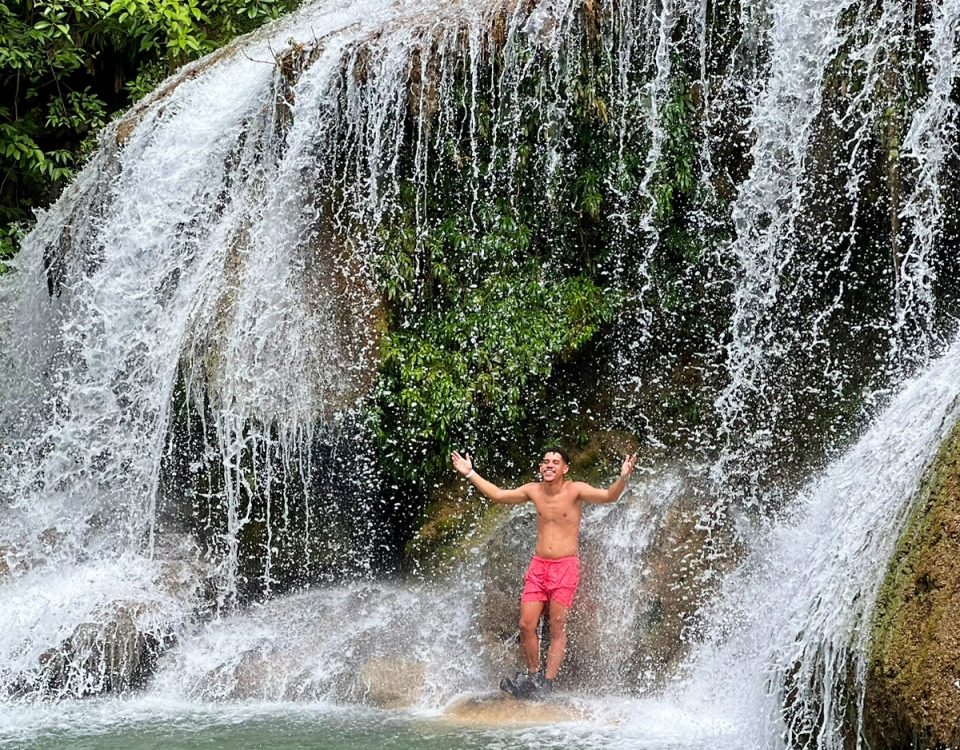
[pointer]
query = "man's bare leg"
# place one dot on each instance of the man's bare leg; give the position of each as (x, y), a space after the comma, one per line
(558, 639)
(529, 642)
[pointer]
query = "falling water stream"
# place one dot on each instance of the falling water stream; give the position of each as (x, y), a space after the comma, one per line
(200, 301)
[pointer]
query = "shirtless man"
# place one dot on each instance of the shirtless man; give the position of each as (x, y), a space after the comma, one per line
(554, 572)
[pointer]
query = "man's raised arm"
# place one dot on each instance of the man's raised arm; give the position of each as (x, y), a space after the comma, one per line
(464, 465)
(591, 494)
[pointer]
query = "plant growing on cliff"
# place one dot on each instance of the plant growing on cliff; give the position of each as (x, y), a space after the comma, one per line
(67, 66)
(474, 366)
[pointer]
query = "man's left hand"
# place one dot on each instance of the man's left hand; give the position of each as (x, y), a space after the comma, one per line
(627, 469)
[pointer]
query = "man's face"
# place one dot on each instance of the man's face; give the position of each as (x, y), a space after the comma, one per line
(552, 465)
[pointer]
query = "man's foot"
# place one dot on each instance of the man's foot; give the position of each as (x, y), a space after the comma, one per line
(524, 685)
(544, 688)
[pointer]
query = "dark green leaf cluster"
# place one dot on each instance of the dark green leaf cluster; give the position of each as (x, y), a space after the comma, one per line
(67, 66)
(472, 367)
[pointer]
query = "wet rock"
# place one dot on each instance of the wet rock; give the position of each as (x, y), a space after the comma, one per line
(117, 646)
(8, 562)
(273, 672)
(505, 560)
(506, 711)
(634, 624)
(50, 539)
(16, 558)
(256, 674)
(112, 653)
(637, 608)
(251, 674)
(184, 573)
(598, 459)
(913, 682)
(454, 522)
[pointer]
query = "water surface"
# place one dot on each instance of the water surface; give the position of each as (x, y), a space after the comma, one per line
(151, 724)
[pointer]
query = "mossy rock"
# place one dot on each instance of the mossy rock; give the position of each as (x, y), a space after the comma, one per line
(913, 683)
(456, 519)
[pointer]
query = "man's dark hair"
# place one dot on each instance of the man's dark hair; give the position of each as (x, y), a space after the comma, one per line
(561, 451)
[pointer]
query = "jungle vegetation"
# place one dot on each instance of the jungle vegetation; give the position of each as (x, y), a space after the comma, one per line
(68, 66)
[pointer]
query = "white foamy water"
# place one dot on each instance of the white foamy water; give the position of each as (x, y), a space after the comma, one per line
(308, 662)
(793, 243)
(47, 605)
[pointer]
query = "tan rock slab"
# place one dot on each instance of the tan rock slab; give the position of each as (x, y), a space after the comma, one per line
(503, 710)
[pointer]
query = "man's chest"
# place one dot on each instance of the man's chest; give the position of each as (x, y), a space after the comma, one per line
(559, 508)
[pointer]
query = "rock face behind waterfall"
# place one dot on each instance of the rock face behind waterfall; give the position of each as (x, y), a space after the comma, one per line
(913, 693)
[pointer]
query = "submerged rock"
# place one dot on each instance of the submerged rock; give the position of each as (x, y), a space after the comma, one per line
(503, 710)
(913, 683)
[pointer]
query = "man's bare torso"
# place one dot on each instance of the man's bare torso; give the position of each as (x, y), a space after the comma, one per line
(559, 503)
(558, 518)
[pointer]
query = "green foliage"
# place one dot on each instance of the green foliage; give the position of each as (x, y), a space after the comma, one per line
(67, 66)
(681, 204)
(482, 358)
(675, 182)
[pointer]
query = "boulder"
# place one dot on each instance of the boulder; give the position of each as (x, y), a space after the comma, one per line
(637, 618)
(260, 673)
(17, 557)
(112, 653)
(8, 561)
(455, 521)
(117, 647)
(505, 559)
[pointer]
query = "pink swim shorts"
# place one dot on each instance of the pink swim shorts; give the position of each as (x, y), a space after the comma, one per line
(551, 580)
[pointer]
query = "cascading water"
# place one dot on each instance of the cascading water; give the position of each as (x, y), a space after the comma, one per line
(197, 335)
(791, 630)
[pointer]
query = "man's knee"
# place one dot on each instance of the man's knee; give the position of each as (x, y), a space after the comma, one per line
(528, 625)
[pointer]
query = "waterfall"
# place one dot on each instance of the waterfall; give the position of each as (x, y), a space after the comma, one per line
(195, 335)
(792, 243)
(792, 629)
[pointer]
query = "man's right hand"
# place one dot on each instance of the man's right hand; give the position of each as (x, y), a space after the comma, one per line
(463, 464)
